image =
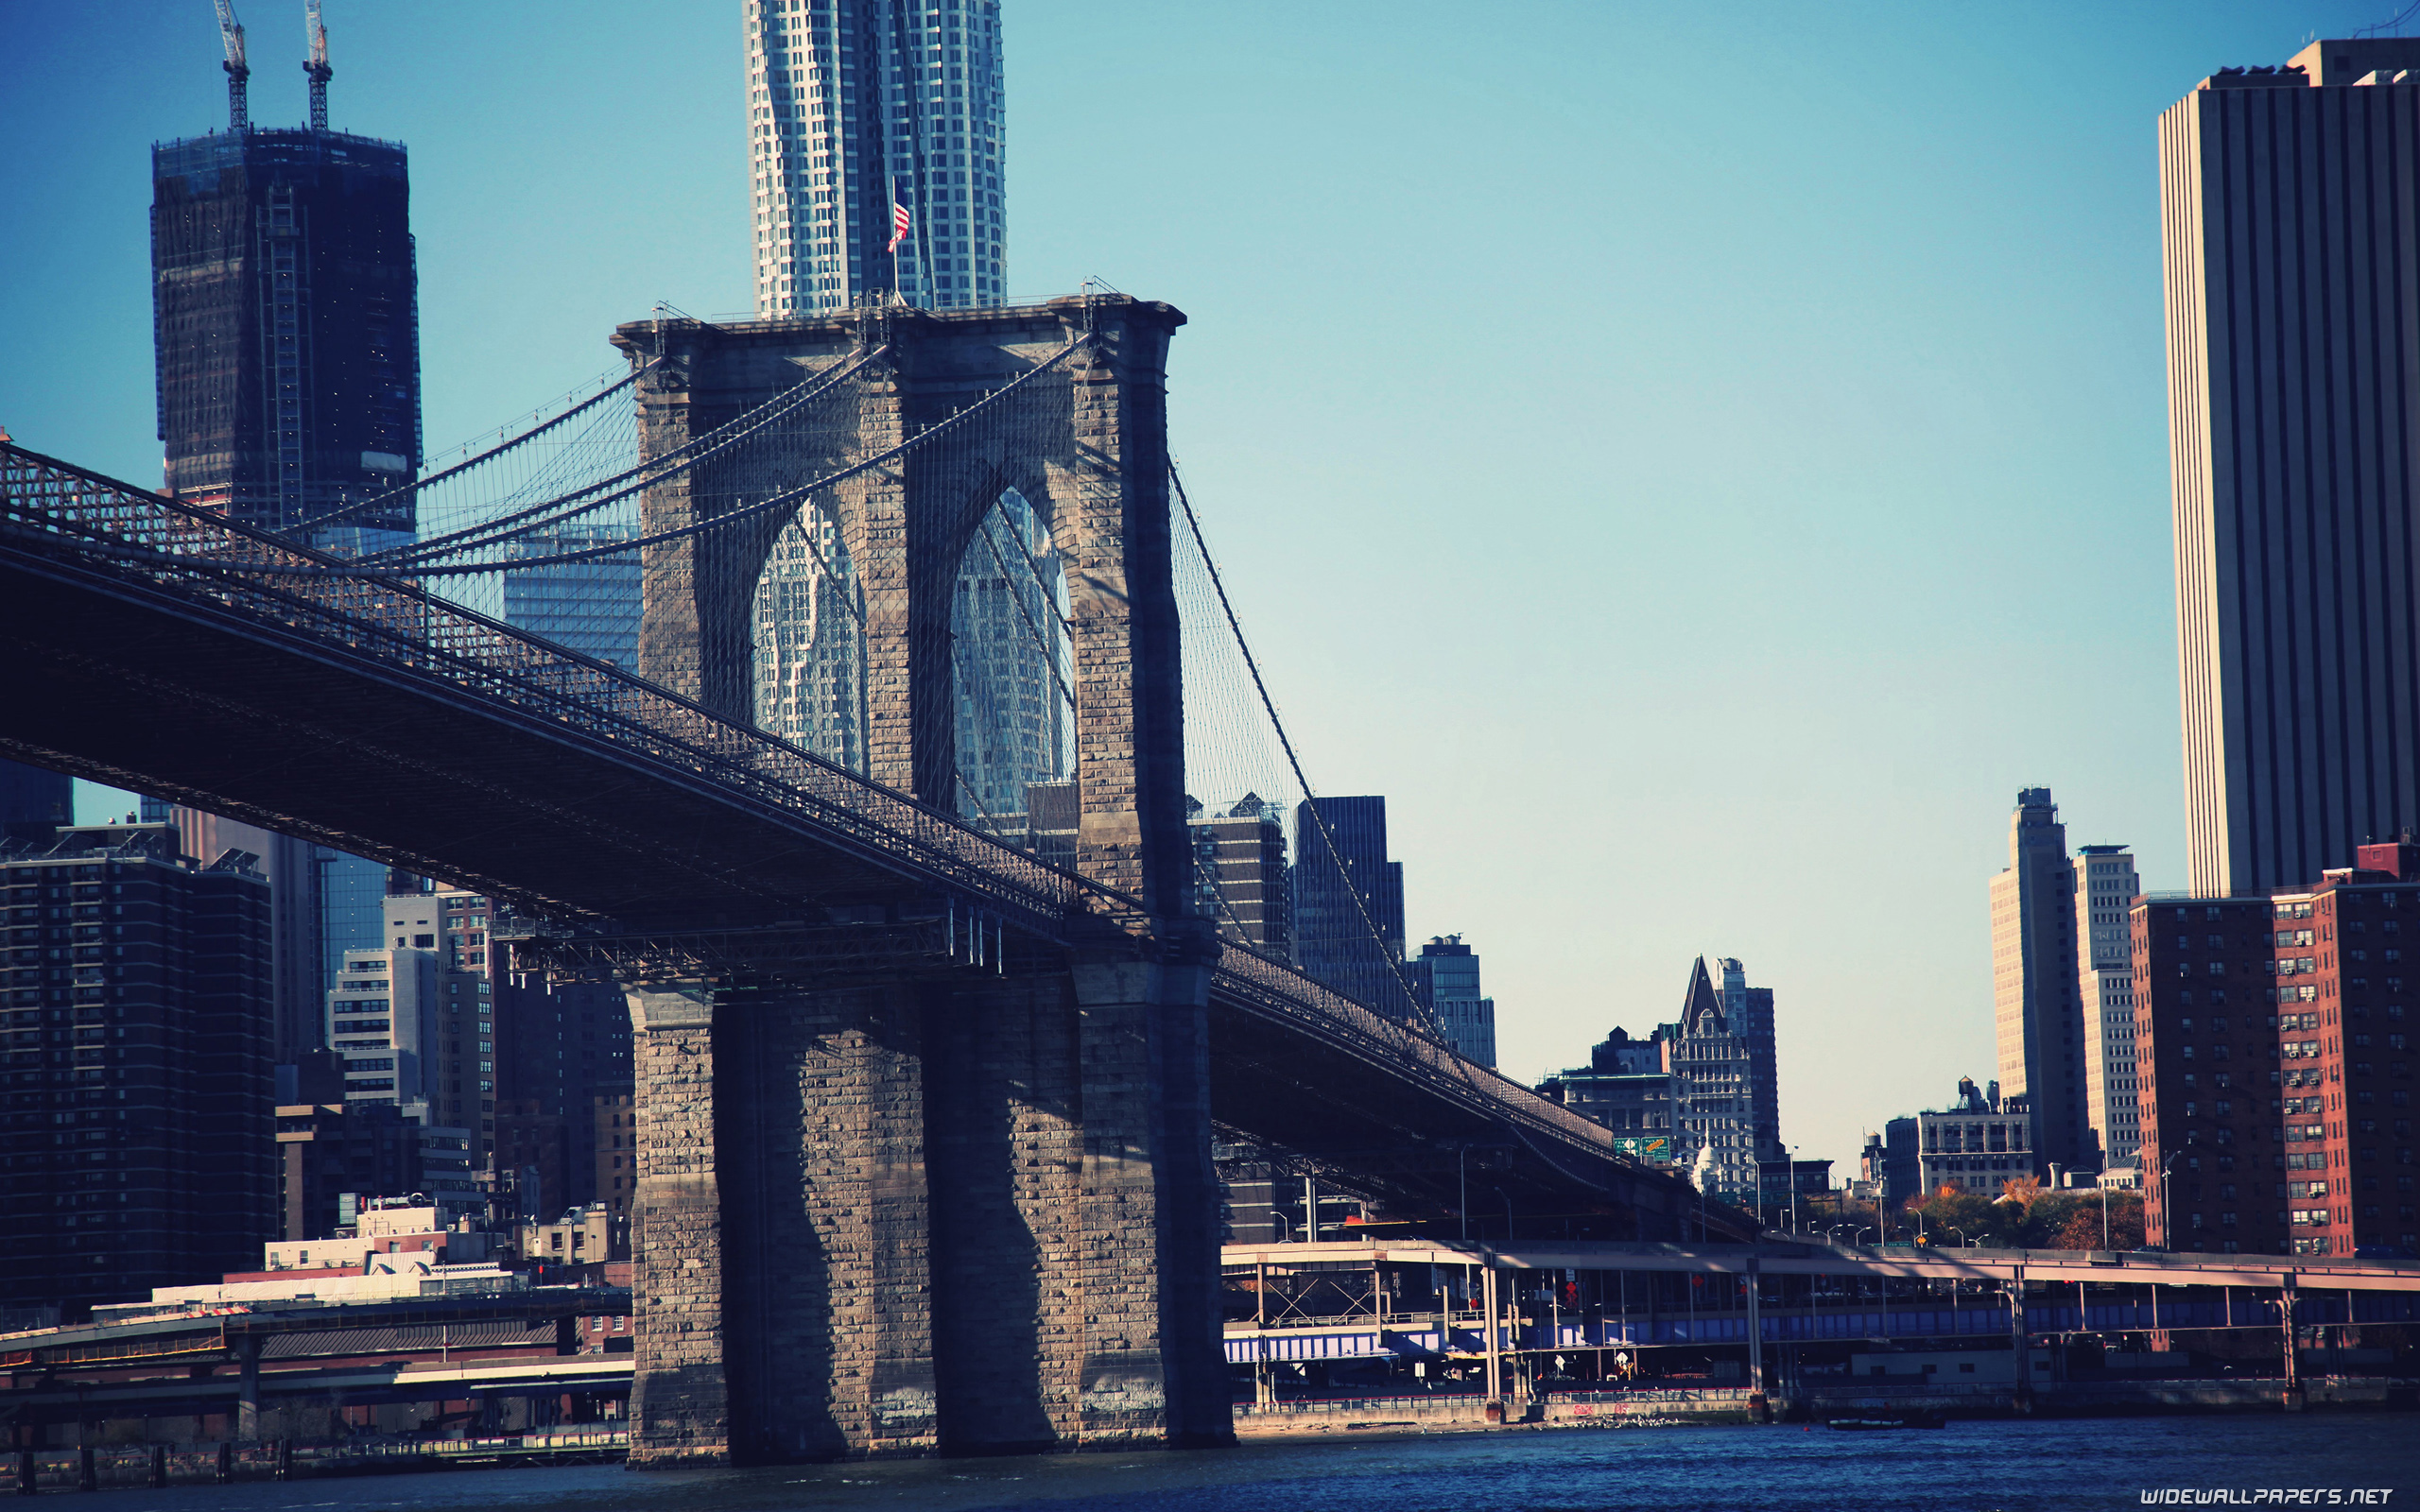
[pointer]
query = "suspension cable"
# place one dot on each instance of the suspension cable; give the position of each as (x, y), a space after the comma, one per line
(341, 511)
(1423, 1015)
(690, 455)
(789, 498)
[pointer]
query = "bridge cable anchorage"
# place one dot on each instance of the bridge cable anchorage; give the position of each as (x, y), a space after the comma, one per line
(1423, 1016)
(357, 568)
(648, 473)
(364, 507)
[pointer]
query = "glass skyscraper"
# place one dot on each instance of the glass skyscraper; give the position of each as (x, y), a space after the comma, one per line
(853, 106)
(589, 607)
(1333, 938)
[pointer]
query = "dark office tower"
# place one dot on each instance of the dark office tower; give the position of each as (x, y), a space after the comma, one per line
(1333, 938)
(2038, 1016)
(1443, 978)
(33, 802)
(1239, 863)
(298, 917)
(2287, 199)
(329, 1151)
(137, 1147)
(286, 320)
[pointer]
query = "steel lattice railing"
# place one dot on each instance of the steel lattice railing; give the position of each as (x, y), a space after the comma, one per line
(51, 510)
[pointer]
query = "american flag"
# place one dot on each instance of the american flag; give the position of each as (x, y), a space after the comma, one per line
(900, 221)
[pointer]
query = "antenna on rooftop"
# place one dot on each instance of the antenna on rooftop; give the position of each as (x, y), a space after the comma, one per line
(231, 34)
(317, 66)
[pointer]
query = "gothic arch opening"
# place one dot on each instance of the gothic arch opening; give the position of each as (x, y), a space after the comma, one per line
(1011, 667)
(809, 640)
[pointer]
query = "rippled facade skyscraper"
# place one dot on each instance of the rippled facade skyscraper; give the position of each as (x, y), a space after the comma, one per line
(859, 106)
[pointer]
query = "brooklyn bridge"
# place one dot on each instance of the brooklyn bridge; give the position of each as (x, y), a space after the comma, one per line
(927, 1096)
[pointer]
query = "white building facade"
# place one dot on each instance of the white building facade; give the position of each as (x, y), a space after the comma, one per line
(2106, 884)
(1975, 1145)
(849, 104)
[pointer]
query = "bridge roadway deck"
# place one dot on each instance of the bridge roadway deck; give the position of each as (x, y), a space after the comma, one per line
(397, 726)
(2135, 1267)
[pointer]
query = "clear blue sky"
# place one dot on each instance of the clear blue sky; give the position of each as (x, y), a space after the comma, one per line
(1697, 461)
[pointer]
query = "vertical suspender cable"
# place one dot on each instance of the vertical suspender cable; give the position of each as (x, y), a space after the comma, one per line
(1424, 1017)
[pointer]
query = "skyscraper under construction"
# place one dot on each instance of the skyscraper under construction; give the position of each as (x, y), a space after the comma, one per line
(286, 316)
(286, 326)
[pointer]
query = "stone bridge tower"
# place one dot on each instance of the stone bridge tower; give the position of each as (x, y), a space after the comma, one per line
(912, 1207)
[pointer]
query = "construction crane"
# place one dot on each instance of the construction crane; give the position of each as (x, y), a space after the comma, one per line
(317, 66)
(231, 32)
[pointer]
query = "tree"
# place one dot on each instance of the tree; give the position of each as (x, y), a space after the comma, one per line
(2083, 1229)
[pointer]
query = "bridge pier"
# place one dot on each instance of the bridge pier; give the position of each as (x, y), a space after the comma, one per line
(967, 1216)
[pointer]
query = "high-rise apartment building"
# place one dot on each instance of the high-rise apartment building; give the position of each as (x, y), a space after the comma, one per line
(2040, 1026)
(383, 1020)
(2277, 1057)
(1239, 867)
(1725, 1103)
(136, 1141)
(2106, 884)
(513, 1049)
(854, 106)
(2285, 198)
(287, 323)
(1444, 980)
(2205, 1054)
(1341, 895)
(297, 937)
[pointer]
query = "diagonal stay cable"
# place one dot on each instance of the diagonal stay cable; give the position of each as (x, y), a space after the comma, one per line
(655, 470)
(1426, 1017)
(364, 507)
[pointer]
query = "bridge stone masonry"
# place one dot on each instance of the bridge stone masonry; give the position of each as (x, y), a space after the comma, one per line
(945, 1214)
(927, 1124)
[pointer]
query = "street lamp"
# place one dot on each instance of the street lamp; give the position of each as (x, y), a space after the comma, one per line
(1963, 1239)
(1862, 1229)
(2166, 1212)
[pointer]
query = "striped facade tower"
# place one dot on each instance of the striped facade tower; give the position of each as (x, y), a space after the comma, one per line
(2290, 227)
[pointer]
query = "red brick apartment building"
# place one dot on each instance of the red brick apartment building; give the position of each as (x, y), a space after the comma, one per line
(2275, 1057)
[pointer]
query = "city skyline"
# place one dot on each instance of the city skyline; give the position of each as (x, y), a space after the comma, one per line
(1865, 716)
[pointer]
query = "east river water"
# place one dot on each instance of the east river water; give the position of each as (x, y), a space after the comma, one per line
(1972, 1466)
